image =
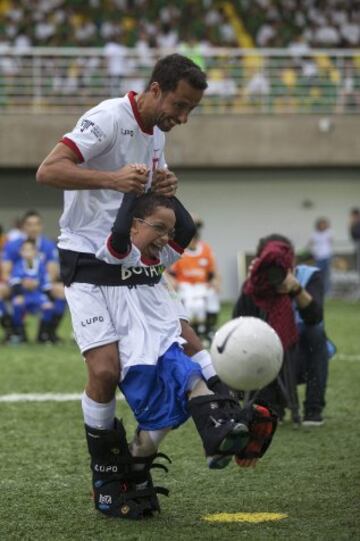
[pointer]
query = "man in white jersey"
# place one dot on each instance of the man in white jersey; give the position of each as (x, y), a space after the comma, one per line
(116, 147)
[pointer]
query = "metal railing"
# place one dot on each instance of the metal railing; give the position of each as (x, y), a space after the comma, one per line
(241, 81)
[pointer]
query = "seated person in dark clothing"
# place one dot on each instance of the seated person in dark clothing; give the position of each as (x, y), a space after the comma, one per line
(290, 298)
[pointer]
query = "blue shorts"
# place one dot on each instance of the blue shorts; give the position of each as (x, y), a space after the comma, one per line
(157, 394)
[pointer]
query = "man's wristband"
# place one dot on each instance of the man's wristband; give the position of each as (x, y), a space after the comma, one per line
(295, 292)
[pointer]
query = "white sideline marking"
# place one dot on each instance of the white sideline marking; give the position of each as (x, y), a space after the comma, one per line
(70, 397)
(43, 397)
(344, 357)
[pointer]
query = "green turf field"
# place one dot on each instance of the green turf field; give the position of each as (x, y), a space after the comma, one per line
(310, 476)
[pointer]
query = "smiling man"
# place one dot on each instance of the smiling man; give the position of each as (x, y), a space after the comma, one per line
(115, 148)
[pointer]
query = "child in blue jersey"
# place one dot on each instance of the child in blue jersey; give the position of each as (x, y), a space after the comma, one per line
(29, 285)
(32, 228)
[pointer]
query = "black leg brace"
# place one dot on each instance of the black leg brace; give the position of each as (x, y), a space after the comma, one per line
(221, 423)
(122, 484)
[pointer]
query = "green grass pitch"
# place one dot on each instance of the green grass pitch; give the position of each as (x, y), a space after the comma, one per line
(310, 475)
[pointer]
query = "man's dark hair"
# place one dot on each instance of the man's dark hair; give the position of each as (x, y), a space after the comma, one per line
(147, 203)
(273, 237)
(30, 214)
(171, 69)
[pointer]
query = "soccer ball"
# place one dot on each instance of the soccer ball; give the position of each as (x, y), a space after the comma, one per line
(247, 353)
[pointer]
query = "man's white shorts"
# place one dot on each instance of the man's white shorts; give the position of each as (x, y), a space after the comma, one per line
(143, 320)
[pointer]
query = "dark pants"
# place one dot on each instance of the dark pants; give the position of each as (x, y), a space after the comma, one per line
(312, 367)
(307, 363)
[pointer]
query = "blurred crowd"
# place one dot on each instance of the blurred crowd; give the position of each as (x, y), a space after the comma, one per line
(160, 23)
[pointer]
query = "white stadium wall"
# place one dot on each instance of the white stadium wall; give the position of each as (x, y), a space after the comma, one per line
(238, 206)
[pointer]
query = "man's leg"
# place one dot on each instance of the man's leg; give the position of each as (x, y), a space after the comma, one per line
(122, 481)
(313, 347)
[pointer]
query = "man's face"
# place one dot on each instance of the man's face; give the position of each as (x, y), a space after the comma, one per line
(173, 108)
(32, 227)
(153, 232)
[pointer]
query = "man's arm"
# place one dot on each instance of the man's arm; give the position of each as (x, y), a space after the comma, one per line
(60, 169)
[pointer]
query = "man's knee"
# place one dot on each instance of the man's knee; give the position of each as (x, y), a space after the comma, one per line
(103, 369)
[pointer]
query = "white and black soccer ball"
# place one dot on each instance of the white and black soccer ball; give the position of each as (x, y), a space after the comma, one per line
(247, 353)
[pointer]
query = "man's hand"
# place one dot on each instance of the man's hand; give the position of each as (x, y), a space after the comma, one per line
(289, 284)
(251, 266)
(130, 178)
(164, 182)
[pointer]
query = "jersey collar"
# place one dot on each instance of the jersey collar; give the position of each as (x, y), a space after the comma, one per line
(131, 96)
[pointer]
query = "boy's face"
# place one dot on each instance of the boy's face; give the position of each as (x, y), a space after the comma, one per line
(152, 233)
(28, 251)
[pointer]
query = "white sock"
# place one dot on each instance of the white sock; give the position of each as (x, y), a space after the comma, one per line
(200, 389)
(97, 415)
(203, 358)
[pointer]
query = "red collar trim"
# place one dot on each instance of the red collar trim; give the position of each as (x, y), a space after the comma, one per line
(131, 96)
(147, 261)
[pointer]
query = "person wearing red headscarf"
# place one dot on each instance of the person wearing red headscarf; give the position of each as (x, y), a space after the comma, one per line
(277, 292)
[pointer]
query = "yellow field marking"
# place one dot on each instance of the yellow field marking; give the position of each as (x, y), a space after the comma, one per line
(244, 517)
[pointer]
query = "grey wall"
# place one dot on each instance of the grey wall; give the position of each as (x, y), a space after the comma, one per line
(240, 206)
(216, 140)
(237, 205)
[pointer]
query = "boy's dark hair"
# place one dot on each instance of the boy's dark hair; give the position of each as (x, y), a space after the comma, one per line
(273, 237)
(29, 241)
(171, 69)
(147, 203)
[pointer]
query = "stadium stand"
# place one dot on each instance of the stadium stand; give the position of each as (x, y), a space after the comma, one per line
(261, 56)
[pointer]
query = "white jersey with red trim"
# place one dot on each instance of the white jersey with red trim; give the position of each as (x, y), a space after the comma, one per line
(106, 138)
(170, 253)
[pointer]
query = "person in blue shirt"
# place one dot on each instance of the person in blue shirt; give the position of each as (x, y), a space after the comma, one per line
(30, 284)
(32, 228)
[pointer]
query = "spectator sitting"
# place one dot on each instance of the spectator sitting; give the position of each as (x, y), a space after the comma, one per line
(291, 300)
(29, 284)
(32, 228)
(196, 278)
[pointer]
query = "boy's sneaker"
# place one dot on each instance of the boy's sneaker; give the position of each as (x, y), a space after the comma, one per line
(313, 419)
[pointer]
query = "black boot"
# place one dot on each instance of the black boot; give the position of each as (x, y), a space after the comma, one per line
(53, 327)
(18, 335)
(211, 321)
(222, 426)
(44, 333)
(7, 325)
(122, 484)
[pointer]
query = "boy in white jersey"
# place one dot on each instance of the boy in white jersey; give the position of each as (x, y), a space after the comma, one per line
(162, 385)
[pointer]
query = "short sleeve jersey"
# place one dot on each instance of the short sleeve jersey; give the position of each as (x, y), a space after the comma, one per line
(37, 271)
(321, 244)
(195, 266)
(106, 138)
(46, 248)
